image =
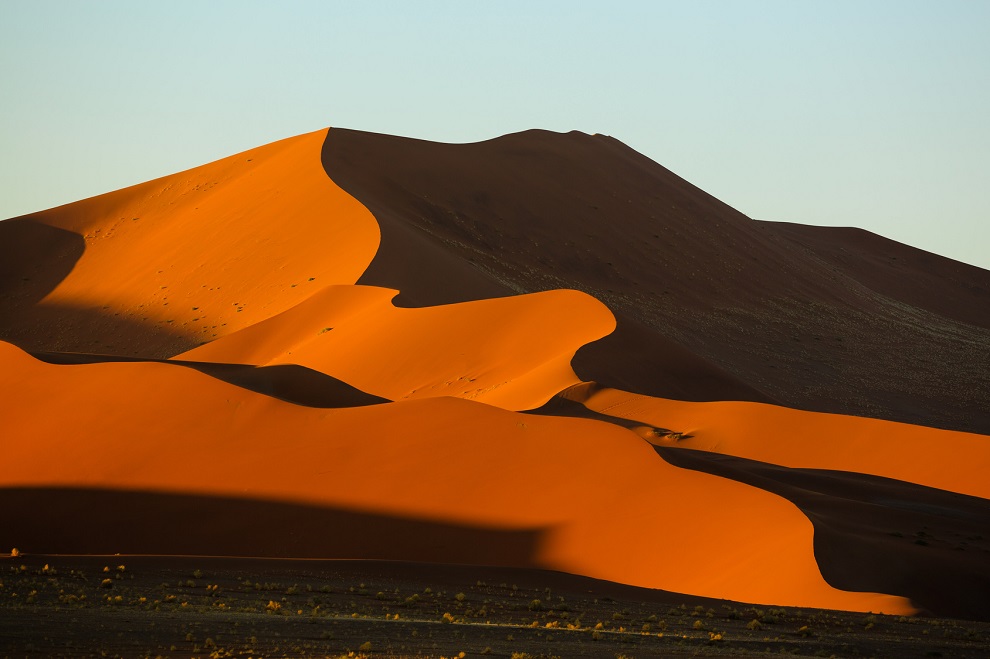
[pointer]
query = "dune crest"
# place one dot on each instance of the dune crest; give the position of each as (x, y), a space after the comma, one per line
(200, 254)
(944, 459)
(512, 352)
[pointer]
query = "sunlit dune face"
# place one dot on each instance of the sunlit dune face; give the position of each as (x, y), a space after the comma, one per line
(512, 352)
(944, 459)
(599, 496)
(211, 250)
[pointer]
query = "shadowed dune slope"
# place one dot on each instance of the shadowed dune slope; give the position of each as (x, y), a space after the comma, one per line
(913, 276)
(173, 430)
(289, 382)
(512, 352)
(712, 304)
(158, 268)
(886, 535)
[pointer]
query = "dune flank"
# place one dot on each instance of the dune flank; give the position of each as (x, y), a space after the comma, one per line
(710, 304)
(172, 263)
(943, 459)
(596, 493)
(512, 352)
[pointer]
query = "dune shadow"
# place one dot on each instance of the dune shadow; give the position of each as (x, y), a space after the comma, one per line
(65, 328)
(34, 259)
(877, 534)
(289, 382)
(97, 521)
(411, 258)
(565, 407)
(470, 222)
(642, 360)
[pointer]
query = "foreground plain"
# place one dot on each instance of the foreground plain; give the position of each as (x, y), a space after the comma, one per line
(143, 606)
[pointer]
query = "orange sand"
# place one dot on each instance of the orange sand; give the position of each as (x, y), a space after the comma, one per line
(944, 459)
(608, 505)
(513, 352)
(211, 250)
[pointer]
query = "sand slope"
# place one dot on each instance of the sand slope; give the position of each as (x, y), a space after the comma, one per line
(167, 265)
(878, 534)
(173, 430)
(828, 320)
(943, 459)
(511, 352)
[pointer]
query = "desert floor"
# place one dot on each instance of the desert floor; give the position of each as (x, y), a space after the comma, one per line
(143, 606)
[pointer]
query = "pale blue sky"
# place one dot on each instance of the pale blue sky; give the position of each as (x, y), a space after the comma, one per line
(862, 113)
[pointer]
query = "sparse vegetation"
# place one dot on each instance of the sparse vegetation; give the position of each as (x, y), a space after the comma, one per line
(233, 613)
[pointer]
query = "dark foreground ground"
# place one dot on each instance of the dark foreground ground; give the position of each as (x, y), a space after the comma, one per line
(140, 606)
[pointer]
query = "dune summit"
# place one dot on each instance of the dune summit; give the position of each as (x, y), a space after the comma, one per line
(710, 304)
(538, 351)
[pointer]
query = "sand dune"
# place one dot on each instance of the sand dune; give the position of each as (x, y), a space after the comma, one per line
(595, 493)
(944, 459)
(323, 347)
(512, 352)
(878, 534)
(828, 320)
(167, 265)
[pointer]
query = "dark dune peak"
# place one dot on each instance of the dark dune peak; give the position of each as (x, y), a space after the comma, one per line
(909, 275)
(710, 303)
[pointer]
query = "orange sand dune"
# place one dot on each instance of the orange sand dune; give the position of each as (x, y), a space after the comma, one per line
(512, 352)
(186, 258)
(604, 503)
(944, 459)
